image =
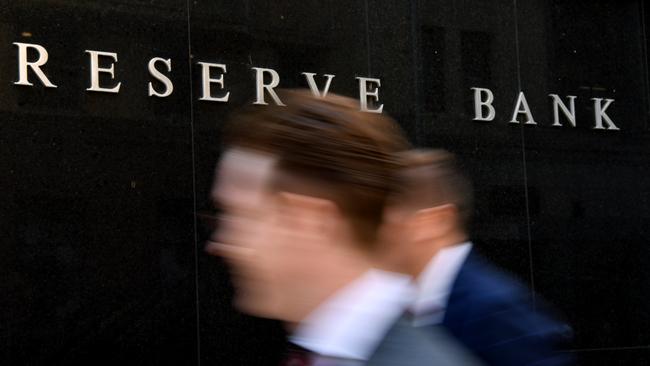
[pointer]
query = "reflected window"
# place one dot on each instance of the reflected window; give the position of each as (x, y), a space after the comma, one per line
(432, 76)
(476, 55)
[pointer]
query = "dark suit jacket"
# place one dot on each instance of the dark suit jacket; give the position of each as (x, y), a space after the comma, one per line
(492, 315)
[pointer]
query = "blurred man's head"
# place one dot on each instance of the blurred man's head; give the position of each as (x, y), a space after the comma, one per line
(430, 209)
(303, 188)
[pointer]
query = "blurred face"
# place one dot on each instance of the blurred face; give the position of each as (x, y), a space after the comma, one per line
(240, 192)
(410, 235)
(278, 245)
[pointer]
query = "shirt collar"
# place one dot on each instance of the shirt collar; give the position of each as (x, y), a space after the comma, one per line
(352, 322)
(435, 282)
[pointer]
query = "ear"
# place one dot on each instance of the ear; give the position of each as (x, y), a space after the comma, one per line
(308, 212)
(434, 222)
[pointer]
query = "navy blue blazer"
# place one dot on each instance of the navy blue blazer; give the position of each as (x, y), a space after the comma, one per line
(491, 314)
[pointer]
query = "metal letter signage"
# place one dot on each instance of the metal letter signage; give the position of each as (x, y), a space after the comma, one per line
(483, 99)
(522, 107)
(95, 70)
(260, 86)
(23, 64)
(33, 57)
(169, 87)
(479, 103)
(207, 80)
(364, 84)
(314, 88)
(600, 115)
(569, 113)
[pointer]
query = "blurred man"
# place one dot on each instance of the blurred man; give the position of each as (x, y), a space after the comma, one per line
(302, 189)
(426, 235)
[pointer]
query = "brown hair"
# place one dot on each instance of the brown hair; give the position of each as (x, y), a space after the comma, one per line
(328, 143)
(432, 177)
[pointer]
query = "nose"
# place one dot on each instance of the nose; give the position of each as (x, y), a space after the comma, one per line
(232, 253)
(225, 229)
(226, 239)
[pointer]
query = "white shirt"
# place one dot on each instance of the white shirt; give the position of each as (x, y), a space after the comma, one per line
(353, 321)
(435, 282)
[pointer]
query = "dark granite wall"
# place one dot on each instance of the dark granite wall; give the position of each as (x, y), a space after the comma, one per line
(101, 257)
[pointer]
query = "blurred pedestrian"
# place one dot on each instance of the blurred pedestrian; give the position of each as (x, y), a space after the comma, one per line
(425, 234)
(302, 189)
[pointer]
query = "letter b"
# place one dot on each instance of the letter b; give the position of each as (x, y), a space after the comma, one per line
(480, 104)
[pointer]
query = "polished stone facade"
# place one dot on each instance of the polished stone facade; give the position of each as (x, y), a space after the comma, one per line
(101, 255)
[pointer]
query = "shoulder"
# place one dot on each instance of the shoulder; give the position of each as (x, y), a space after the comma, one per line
(482, 291)
(493, 314)
(480, 283)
